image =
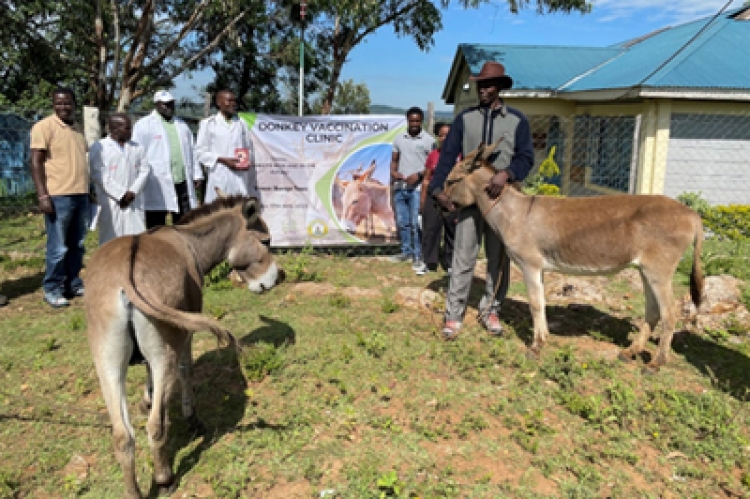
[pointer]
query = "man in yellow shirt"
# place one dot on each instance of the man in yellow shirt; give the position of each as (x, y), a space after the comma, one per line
(60, 171)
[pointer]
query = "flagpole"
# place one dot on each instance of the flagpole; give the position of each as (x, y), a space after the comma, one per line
(302, 6)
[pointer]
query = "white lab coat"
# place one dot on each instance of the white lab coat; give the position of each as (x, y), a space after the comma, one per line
(159, 194)
(218, 139)
(116, 170)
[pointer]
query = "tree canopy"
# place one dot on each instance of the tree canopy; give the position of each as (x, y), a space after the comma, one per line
(112, 52)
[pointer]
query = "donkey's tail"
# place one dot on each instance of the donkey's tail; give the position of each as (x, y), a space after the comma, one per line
(188, 321)
(696, 276)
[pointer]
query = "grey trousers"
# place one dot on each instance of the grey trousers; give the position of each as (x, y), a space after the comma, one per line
(470, 231)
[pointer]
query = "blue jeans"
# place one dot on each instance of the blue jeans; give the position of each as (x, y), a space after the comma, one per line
(66, 232)
(406, 202)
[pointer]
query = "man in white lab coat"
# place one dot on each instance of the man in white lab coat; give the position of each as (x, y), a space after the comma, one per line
(175, 172)
(224, 148)
(119, 170)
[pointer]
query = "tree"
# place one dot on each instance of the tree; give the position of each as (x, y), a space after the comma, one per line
(29, 65)
(346, 23)
(159, 44)
(351, 98)
(242, 61)
(259, 60)
(113, 51)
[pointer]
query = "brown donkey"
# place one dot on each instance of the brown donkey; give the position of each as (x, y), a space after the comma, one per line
(144, 297)
(594, 235)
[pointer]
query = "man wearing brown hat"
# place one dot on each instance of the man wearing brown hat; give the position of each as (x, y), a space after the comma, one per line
(513, 159)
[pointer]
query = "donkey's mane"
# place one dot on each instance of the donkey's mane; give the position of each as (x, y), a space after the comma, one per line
(215, 206)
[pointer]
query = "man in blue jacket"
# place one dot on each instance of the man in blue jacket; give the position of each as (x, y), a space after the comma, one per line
(513, 159)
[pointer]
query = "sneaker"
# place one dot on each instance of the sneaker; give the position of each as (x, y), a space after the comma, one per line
(73, 293)
(450, 330)
(421, 269)
(492, 324)
(55, 300)
(417, 264)
(401, 257)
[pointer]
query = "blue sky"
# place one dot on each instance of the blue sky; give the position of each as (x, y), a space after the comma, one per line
(397, 73)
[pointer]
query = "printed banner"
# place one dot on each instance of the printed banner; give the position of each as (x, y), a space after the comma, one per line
(324, 180)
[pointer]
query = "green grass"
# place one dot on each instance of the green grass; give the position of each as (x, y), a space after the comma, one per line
(353, 395)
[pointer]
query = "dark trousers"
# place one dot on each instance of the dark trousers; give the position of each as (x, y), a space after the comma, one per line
(437, 225)
(156, 218)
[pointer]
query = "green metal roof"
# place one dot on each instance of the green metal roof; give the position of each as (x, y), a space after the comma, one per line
(537, 66)
(704, 54)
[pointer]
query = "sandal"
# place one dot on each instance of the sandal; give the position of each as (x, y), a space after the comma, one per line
(492, 324)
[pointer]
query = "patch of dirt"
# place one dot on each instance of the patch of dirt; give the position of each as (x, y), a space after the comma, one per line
(289, 491)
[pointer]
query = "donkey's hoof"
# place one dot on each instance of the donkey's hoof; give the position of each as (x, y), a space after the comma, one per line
(166, 490)
(166, 486)
(650, 370)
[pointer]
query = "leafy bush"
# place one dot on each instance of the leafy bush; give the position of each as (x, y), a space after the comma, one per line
(695, 201)
(27, 200)
(537, 183)
(730, 222)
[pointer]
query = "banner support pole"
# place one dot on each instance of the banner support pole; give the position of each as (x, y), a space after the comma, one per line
(302, 7)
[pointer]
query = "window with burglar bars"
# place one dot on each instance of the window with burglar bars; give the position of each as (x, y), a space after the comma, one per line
(603, 148)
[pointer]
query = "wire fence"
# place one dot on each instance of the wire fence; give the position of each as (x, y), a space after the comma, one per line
(700, 153)
(597, 155)
(16, 187)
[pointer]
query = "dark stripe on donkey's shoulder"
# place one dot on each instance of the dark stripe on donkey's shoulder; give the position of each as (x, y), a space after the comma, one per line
(217, 205)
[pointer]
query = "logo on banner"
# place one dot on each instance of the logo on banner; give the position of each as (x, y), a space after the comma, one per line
(317, 228)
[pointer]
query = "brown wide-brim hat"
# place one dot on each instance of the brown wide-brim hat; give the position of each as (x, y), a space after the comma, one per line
(492, 70)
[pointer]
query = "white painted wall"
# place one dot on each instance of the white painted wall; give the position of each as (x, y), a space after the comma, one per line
(698, 161)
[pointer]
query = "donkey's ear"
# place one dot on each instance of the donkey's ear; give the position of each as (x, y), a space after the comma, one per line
(251, 212)
(491, 148)
(220, 193)
(479, 155)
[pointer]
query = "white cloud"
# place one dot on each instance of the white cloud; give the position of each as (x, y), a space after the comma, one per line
(666, 11)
